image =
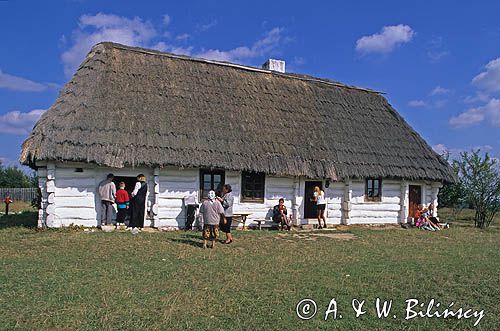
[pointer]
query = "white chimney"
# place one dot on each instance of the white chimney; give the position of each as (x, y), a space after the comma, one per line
(274, 65)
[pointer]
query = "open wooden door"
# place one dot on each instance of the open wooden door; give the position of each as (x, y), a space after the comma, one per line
(415, 197)
(309, 205)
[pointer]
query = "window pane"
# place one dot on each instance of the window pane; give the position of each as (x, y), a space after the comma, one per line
(207, 178)
(252, 185)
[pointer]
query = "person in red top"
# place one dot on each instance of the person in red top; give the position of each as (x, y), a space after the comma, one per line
(122, 202)
(7, 201)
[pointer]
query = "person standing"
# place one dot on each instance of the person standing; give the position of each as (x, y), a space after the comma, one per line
(8, 200)
(319, 197)
(138, 203)
(211, 211)
(107, 191)
(227, 203)
(122, 203)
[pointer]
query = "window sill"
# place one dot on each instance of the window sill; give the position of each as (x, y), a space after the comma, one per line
(246, 200)
(373, 200)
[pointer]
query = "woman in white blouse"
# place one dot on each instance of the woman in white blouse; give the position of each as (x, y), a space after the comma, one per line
(319, 197)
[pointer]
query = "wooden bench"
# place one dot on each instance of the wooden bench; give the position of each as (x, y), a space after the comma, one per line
(241, 218)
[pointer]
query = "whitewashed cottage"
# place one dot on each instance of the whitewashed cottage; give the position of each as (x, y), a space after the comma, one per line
(191, 125)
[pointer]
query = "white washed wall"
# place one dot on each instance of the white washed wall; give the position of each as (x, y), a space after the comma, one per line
(275, 188)
(385, 211)
(76, 200)
(334, 197)
(72, 198)
(174, 185)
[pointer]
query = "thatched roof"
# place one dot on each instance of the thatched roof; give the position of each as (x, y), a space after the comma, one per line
(128, 106)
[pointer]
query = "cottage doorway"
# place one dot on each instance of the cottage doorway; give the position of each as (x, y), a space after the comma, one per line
(415, 197)
(129, 183)
(309, 204)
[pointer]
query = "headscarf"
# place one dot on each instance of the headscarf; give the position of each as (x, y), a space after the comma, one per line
(211, 195)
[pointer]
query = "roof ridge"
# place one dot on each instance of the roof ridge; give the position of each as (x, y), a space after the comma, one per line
(234, 65)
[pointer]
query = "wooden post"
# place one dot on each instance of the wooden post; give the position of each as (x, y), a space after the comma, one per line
(435, 191)
(156, 192)
(295, 202)
(51, 192)
(404, 202)
(346, 203)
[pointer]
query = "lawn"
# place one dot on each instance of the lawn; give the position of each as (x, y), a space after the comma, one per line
(70, 279)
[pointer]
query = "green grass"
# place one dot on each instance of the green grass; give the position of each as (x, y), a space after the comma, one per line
(16, 207)
(70, 279)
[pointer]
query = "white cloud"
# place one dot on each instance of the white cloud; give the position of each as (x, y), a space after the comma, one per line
(435, 51)
(166, 19)
(207, 26)
(440, 149)
(436, 56)
(478, 97)
(489, 113)
(16, 83)
(489, 80)
(454, 153)
(417, 103)
(440, 103)
(261, 47)
(438, 90)
(93, 29)
(298, 60)
(20, 123)
(386, 40)
(182, 37)
(164, 47)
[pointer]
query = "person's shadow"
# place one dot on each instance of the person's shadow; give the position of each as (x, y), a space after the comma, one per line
(189, 239)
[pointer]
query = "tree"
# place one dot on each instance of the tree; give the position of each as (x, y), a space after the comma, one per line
(14, 177)
(480, 183)
(451, 195)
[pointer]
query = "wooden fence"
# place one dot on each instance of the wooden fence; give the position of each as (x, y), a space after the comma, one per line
(19, 194)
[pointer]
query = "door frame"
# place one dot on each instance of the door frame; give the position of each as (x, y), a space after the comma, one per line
(420, 186)
(305, 211)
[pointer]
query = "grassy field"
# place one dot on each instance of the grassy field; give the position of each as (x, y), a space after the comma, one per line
(70, 279)
(17, 206)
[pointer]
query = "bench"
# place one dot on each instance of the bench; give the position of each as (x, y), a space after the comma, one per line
(241, 218)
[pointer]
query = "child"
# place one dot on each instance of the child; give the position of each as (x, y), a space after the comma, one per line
(122, 202)
(422, 221)
(212, 212)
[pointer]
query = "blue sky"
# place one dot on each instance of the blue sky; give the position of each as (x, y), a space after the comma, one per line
(438, 62)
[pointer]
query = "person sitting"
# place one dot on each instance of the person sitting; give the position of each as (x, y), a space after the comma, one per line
(434, 220)
(422, 221)
(427, 213)
(280, 215)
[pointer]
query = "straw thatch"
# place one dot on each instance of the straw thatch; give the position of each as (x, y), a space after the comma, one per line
(127, 106)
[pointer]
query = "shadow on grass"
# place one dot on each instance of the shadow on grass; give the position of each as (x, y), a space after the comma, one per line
(28, 219)
(192, 242)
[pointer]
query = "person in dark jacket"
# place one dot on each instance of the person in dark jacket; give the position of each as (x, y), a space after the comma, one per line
(138, 203)
(280, 215)
(227, 203)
